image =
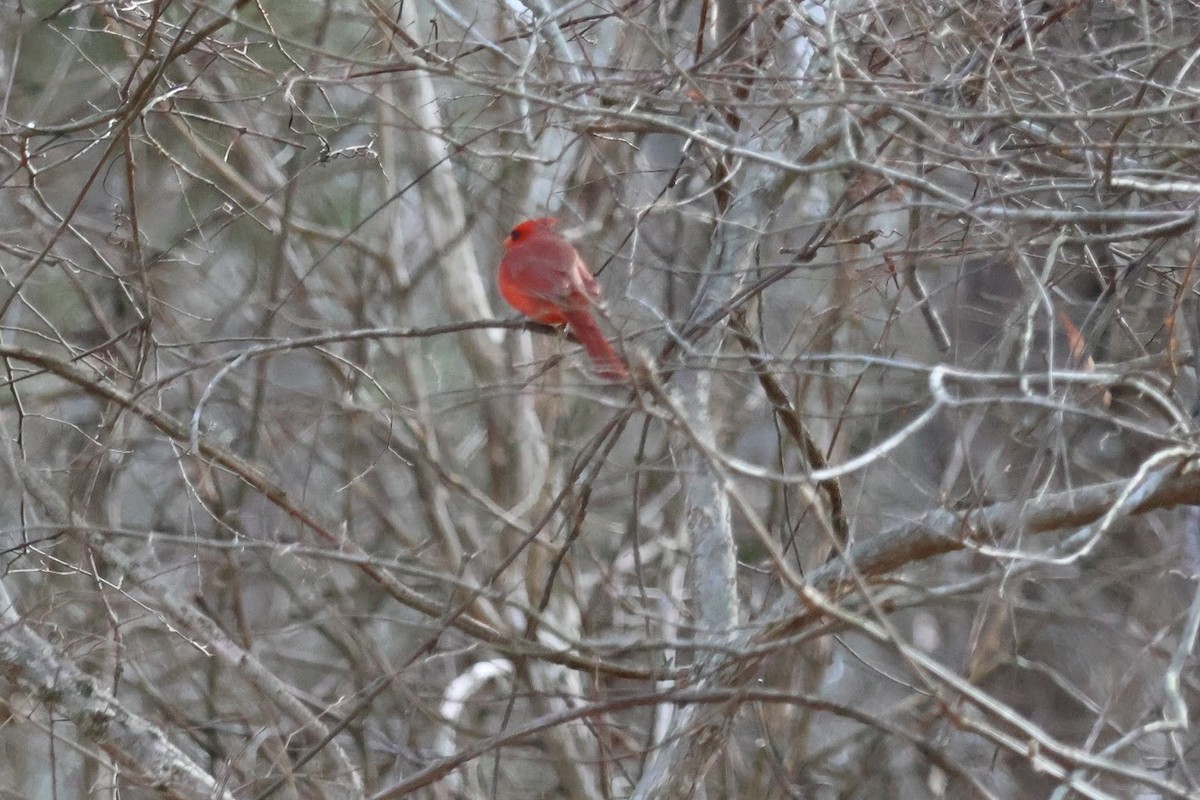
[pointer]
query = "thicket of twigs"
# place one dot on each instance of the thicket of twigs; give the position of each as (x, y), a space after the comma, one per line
(896, 505)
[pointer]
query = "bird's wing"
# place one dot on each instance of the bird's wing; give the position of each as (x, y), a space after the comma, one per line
(544, 267)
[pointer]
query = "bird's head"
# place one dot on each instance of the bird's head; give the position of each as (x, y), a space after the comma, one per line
(528, 228)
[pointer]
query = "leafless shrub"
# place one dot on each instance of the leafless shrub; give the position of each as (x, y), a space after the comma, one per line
(897, 503)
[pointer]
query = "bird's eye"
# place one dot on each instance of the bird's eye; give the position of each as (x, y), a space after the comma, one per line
(515, 234)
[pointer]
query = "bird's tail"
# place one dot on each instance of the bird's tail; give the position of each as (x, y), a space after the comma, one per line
(607, 363)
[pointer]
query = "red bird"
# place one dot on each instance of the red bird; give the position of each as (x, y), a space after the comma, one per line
(543, 277)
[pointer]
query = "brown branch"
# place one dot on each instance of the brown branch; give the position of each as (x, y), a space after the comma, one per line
(792, 423)
(945, 531)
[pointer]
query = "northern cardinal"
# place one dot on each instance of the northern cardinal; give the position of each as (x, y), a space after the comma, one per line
(543, 277)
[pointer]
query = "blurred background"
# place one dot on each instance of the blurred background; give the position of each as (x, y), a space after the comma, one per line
(897, 503)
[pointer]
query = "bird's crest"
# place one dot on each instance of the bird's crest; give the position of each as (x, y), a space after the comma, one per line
(530, 226)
